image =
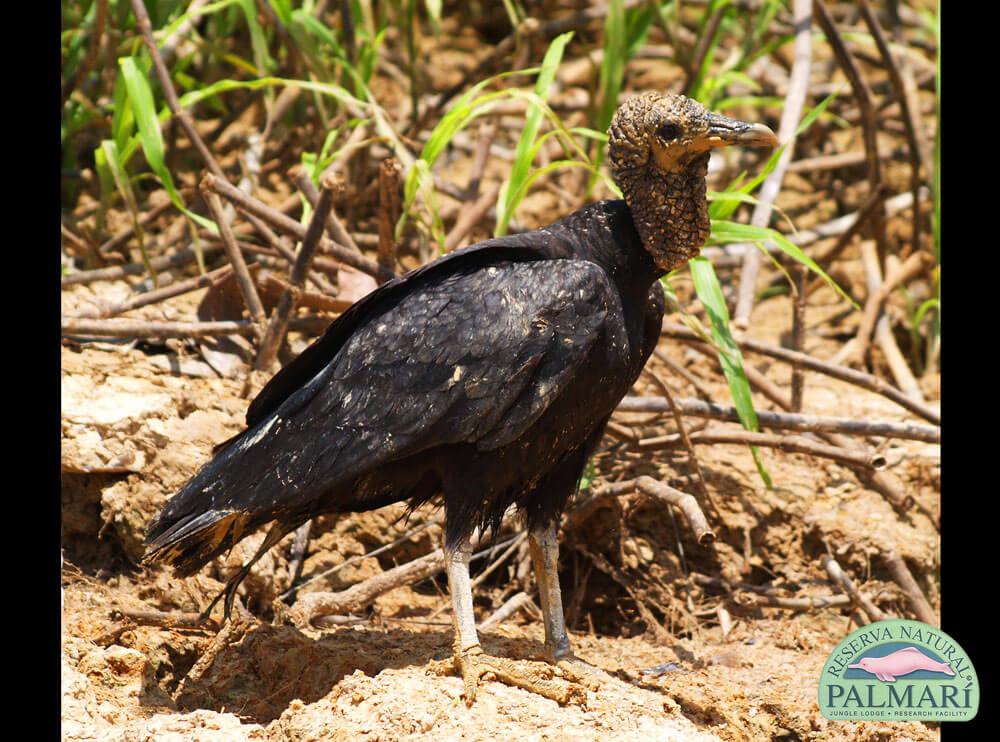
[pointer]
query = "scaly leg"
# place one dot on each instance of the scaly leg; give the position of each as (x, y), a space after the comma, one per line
(469, 657)
(544, 545)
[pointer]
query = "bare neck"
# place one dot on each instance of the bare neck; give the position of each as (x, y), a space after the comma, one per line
(670, 210)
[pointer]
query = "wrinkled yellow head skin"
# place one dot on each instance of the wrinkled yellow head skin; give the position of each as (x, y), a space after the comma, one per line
(659, 146)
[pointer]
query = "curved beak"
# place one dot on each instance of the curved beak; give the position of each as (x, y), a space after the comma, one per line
(724, 131)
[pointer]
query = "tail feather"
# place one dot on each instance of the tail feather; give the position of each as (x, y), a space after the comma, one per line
(191, 542)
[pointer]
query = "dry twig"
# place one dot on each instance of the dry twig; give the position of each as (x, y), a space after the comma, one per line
(389, 174)
(782, 421)
(843, 581)
(247, 289)
(518, 601)
(287, 225)
(902, 576)
(851, 376)
(795, 99)
(278, 325)
(684, 502)
(869, 115)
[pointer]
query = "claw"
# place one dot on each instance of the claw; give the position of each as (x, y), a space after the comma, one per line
(471, 672)
(535, 677)
(577, 671)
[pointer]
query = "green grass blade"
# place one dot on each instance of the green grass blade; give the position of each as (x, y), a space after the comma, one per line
(434, 15)
(114, 165)
(612, 73)
(706, 285)
(524, 154)
(140, 100)
(725, 232)
(258, 41)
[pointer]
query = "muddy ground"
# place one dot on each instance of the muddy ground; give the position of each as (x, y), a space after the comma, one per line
(138, 419)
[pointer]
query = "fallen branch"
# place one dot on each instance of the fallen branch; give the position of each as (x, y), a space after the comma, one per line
(684, 502)
(133, 328)
(272, 287)
(898, 366)
(598, 496)
(851, 376)
(363, 594)
(389, 174)
(481, 577)
(785, 421)
(798, 384)
(334, 227)
(682, 431)
(764, 596)
(519, 601)
(916, 264)
(874, 200)
(177, 288)
(842, 580)
(806, 603)
(278, 325)
(115, 243)
(247, 289)
(869, 116)
(287, 225)
(356, 559)
(914, 595)
(882, 481)
(795, 98)
(469, 217)
(909, 105)
(789, 444)
(116, 272)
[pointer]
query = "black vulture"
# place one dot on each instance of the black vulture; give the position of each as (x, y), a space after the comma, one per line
(484, 378)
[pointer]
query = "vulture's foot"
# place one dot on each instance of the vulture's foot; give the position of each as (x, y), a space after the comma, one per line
(577, 671)
(535, 677)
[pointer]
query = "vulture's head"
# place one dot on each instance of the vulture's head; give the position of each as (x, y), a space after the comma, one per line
(659, 148)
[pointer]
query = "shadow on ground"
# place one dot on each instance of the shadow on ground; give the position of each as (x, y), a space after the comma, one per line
(258, 676)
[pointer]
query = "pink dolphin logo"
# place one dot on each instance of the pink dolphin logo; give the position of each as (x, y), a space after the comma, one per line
(900, 662)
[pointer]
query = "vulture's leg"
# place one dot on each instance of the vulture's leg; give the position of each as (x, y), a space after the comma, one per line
(544, 545)
(277, 532)
(469, 657)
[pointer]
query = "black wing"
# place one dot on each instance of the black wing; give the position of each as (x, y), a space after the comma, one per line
(317, 356)
(474, 357)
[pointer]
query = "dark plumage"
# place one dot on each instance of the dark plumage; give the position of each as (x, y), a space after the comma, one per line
(464, 378)
(486, 377)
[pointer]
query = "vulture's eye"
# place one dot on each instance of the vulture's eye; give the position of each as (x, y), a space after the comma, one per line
(668, 132)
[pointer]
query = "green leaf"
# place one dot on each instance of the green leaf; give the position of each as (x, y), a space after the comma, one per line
(262, 58)
(167, 31)
(434, 15)
(140, 100)
(709, 291)
(114, 165)
(524, 154)
(927, 306)
(283, 9)
(725, 232)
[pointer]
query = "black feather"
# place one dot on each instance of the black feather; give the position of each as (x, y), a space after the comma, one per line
(485, 378)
